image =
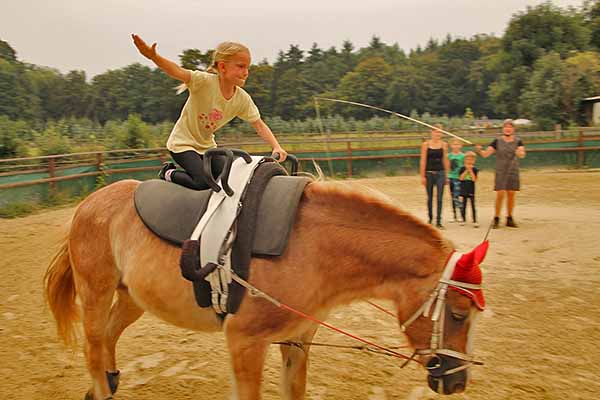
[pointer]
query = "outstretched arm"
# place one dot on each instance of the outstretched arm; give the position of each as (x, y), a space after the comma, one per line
(485, 153)
(169, 67)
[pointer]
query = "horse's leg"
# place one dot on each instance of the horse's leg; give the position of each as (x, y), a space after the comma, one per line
(96, 279)
(96, 307)
(247, 360)
(123, 313)
(295, 366)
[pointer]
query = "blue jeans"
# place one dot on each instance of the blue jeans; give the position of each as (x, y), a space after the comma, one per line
(435, 179)
(455, 191)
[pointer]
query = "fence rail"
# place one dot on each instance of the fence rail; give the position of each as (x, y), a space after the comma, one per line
(15, 171)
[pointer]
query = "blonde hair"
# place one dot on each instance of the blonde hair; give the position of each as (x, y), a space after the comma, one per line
(223, 52)
(470, 154)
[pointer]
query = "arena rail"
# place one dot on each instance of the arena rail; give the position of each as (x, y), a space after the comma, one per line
(115, 161)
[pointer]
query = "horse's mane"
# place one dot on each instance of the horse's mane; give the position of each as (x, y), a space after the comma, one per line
(380, 211)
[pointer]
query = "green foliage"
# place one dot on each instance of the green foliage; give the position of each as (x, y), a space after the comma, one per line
(492, 76)
(53, 140)
(543, 29)
(542, 99)
(14, 210)
(7, 53)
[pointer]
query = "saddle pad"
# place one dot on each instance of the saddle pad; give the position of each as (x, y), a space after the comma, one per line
(276, 214)
(169, 210)
(172, 211)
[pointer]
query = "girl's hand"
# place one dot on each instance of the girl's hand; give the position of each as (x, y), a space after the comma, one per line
(478, 148)
(143, 48)
(281, 152)
(423, 181)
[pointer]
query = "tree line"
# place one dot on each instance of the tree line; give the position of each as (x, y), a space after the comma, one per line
(541, 68)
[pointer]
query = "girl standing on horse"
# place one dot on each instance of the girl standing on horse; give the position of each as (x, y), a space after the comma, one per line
(216, 97)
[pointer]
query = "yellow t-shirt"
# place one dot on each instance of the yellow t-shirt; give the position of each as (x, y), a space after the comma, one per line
(205, 111)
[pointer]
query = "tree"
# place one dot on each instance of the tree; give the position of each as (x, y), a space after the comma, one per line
(542, 99)
(580, 80)
(194, 59)
(17, 100)
(259, 85)
(591, 15)
(543, 29)
(368, 84)
(7, 53)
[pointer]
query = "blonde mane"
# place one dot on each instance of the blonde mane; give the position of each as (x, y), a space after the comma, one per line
(377, 211)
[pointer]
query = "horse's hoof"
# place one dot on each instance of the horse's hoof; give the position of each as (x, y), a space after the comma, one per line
(113, 380)
(90, 396)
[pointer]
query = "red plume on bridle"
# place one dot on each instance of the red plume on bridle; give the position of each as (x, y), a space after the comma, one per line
(467, 271)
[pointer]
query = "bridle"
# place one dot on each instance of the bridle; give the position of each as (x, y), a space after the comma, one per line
(438, 296)
(437, 301)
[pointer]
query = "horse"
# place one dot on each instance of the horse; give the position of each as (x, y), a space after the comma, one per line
(346, 245)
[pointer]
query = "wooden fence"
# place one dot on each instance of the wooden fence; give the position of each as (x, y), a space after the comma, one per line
(345, 149)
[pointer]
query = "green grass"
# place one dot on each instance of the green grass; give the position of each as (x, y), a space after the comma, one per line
(15, 210)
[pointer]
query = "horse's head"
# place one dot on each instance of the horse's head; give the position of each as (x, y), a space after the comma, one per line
(441, 329)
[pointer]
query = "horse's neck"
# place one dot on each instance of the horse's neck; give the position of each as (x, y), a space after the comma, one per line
(374, 250)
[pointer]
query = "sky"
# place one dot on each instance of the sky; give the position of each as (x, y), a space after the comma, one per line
(94, 36)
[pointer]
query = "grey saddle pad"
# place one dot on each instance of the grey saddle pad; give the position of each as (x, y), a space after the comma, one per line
(172, 211)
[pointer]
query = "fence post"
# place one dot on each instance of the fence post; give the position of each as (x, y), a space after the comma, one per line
(52, 174)
(349, 160)
(580, 153)
(100, 179)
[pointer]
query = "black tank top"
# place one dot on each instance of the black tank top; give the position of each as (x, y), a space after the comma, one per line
(434, 159)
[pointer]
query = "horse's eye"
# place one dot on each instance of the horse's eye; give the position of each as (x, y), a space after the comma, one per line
(459, 317)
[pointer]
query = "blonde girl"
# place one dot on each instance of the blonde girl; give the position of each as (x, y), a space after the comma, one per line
(215, 98)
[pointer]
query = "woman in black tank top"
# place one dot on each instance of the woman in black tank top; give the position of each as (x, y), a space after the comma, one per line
(434, 167)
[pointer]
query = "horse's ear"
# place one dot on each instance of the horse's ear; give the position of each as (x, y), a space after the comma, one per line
(480, 251)
(474, 257)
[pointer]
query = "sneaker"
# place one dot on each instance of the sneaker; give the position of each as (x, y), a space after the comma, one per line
(454, 220)
(439, 226)
(462, 223)
(511, 223)
(166, 166)
(475, 225)
(496, 223)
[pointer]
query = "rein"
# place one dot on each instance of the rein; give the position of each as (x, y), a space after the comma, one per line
(438, 296)
(258, 293)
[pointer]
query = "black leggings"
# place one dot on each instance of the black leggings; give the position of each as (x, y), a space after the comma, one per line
(193, 176)
(463, 210)
(435, 179)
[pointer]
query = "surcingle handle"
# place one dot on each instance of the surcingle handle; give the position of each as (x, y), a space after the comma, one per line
(190, 262)
(190, 259)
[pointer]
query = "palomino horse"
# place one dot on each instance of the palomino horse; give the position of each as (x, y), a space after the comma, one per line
(346, 245)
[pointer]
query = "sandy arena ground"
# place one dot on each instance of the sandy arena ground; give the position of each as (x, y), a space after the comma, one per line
(539, 337)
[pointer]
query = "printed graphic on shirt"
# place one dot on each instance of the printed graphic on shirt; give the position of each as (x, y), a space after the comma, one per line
(210, 121)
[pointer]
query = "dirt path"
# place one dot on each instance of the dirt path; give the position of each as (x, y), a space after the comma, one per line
(539, 337)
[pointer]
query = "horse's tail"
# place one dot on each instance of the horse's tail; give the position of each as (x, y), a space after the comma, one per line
(60, 293)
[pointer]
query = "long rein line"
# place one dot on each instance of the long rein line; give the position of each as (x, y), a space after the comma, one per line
(375, 348)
